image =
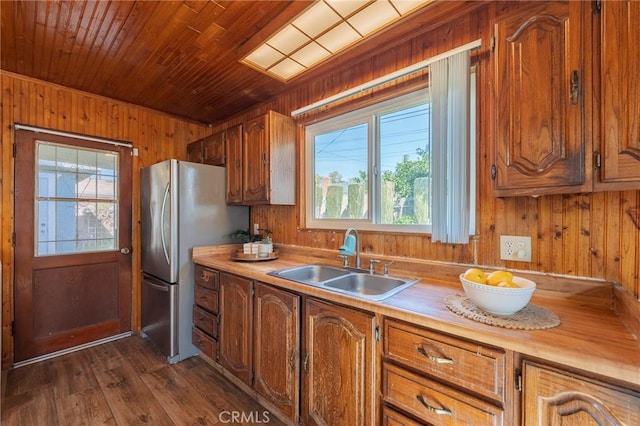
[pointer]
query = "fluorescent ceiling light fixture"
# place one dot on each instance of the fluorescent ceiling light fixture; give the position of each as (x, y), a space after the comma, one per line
(325, 29)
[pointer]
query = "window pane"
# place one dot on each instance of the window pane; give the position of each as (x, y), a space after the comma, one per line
(341, 173)
(404, 162)
(76, 208)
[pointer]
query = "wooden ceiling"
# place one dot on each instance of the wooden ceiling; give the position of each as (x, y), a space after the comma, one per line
(180, 57)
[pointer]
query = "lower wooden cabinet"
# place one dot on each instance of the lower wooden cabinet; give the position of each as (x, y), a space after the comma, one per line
(442, 379)
(556, 397)
(391, 417)
(206, 344)
(338, 366)
(236, 324)
(276, 348)
(434, 402)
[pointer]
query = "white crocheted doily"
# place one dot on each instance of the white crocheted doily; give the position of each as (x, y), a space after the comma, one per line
(531, 317)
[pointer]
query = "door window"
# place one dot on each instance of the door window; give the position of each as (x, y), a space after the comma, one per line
(76, 208)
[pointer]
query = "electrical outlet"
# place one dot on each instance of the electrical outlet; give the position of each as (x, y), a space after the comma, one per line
(256, 228)
(515, 248)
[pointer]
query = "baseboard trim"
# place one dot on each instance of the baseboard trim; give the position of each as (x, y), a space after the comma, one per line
(70, 350)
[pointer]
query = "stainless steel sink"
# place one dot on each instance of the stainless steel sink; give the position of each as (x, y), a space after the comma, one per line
(310, 274)
(367, 286)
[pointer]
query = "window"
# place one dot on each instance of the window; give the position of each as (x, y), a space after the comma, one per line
(76, 208)
(371, 168)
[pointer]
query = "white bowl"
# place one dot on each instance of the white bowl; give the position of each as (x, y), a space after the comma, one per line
(499, 300)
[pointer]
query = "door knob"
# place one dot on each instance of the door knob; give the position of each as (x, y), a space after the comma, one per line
(125, 250)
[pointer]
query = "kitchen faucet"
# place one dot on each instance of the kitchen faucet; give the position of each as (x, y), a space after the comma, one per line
(351, 245)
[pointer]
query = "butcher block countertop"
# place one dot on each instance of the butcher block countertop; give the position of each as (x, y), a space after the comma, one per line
(591, 337)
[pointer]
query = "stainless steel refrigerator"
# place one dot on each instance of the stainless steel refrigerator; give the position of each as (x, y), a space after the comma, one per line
(182, 205)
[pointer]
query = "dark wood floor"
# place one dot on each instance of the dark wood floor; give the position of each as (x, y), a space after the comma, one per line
(124, 382)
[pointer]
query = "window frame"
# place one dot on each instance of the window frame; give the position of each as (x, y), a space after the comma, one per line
(351, 117)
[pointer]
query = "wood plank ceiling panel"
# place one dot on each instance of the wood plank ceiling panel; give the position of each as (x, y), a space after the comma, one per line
(180, 57)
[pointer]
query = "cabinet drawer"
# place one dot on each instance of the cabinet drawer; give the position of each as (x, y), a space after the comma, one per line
(468, 364)
(391, 417)
(205, 321)
(205, 277)
(206, 299)
(433, 402)
(206, 344)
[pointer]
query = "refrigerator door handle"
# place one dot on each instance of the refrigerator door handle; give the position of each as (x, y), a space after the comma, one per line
(162, 210)
(159, 287)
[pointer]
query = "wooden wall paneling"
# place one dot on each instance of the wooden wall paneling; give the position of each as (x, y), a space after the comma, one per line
(597, 238)
(563, 233)
(629, 243)
(544, 234)
(584, 254)
(571, 216)
(612, 230)
(557, 258)
(564, 229)
(32, 102)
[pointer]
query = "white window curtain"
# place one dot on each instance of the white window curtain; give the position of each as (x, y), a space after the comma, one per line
(449, 82)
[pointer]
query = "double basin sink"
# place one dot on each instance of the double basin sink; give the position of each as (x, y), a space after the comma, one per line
(353, 282)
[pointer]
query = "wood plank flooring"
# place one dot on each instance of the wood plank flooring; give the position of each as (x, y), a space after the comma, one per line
(125, 382)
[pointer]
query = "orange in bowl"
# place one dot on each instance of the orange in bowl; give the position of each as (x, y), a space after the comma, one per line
(499, 299)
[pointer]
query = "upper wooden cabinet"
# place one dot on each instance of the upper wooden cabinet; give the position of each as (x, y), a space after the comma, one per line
(620, 92)
(268, 160)
(234, 164)
(194, 151)
(209, 150)
(539, 82)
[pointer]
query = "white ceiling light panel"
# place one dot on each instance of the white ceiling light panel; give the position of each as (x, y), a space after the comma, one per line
(311, 54)
(317, 19)
(288, 39)
(264, 56)
(373, 17)
(338, 37)
(324, 29)
(406, 6)
(346, 7)
(286, 69)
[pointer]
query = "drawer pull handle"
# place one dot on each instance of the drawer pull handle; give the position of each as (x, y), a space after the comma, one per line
(440, 411)
(437, 360)
(204, 277)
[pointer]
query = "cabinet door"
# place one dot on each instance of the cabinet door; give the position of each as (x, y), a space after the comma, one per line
(255, 156)
(194, 152)
(235, 329)
(554, 397)
(234, 164)
(539, 80)
(213, 149)
(620, 62)
(276, 350)
(339, 367)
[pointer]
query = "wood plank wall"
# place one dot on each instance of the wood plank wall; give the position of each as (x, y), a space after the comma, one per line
(31, 102)
(586, 235)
